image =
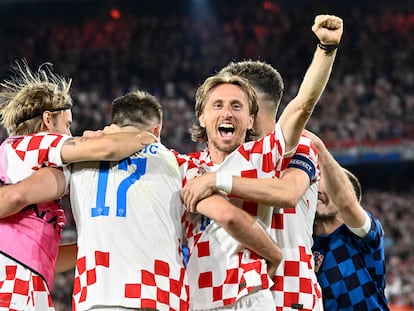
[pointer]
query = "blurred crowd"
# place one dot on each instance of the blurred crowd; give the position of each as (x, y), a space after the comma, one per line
(169, 50)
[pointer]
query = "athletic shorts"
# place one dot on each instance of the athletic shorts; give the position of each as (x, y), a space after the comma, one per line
(21, 289)
(257, 301)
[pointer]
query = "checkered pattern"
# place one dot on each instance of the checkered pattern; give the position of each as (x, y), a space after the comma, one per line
(214, 283)
(40, 226)
(87, 276)
(295, 282)
(352, 269)
(35, 148)
(293, 287)
(21, 289)
(35, 151)
(243, 273)
(156, 289)
(29, 153)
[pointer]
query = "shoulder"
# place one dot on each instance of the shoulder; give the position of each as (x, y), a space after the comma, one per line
(376, 226)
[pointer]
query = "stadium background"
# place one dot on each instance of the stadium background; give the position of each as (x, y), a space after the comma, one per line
(366, 114)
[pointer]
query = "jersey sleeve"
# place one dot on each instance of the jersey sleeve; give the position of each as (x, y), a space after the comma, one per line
(372, 241)
(41, 149)
(188, 168)
(31, 152)
(305, 159)
(280, 140)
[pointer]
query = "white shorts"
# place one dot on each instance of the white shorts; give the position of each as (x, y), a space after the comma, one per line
(21, 289)
(261, 300)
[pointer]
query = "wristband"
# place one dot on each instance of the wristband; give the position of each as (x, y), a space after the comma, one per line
(364, 230)
(224, 182)
(328, 48)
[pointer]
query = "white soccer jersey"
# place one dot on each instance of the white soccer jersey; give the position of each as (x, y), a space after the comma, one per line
(128, 217)
(220, 270)
(295, 283)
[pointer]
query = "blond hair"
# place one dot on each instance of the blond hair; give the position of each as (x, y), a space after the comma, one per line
(27, 94)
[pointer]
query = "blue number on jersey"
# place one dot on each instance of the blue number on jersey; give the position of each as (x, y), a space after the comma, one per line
(101, 209)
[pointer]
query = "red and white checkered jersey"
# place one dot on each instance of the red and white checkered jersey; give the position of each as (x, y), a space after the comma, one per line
(220, 269)
(295, 283)
(36, 229)
(129, 221)
(28, 154)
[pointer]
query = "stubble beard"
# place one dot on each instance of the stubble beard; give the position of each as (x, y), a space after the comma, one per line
(325, 217)
(225, 149)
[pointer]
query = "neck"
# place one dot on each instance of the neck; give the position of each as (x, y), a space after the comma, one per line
(268, 126)
(326, 225)
(217, 156)
(219, 152)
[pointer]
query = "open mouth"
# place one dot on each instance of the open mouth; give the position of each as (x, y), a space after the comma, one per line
(226, 130)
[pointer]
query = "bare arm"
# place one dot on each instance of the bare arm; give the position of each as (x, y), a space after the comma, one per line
(293, 120)
(285, 192)
(338, 185)
(281, 193)
(32, 190)
(109, 147)
(66, 259)
(243, 227)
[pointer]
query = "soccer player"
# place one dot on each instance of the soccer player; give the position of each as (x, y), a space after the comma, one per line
(120, 209)
(126, 203)
(349, 241)
(35, 110)
(222, 125)
(128, 219)
(293, 195)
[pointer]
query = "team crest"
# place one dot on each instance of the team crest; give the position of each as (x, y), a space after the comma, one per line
(318, 258)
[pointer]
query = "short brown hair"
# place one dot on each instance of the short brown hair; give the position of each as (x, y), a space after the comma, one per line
(262, 76)
(139, 109)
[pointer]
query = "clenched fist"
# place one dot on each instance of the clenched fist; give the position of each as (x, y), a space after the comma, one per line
(328, 29)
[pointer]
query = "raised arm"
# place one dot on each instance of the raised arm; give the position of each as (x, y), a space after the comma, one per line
(242, 227)
(108, 147)
(328, 29)
(338, 186)
(45, 185)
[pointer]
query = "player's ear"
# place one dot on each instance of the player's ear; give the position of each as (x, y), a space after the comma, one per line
(251, 122)
(201, 120)
(47, 119)
(157, 131)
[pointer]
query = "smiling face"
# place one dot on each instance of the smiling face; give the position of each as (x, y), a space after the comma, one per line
(226, 117)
